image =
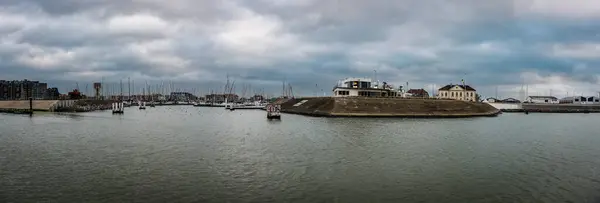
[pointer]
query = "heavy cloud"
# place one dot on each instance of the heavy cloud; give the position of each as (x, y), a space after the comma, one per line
(549, 45)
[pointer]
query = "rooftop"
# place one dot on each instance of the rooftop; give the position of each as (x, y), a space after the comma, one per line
(418, 92)
(357, 79)
(543, 97)
(467, 87)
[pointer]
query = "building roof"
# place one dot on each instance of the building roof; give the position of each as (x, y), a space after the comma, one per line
(356, 79)
(418, 92)
(362, 89)
(578, 97)
(467, 87)
(542, 97)
(510, 99)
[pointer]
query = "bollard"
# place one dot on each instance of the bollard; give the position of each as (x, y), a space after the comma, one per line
(30, 105)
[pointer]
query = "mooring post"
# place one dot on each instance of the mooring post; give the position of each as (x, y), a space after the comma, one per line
(30, 105)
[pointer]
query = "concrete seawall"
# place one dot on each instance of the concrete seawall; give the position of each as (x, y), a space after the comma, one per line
(386, 107)
(507, 107)
(547, 108)
(562, 108)
(38, 105)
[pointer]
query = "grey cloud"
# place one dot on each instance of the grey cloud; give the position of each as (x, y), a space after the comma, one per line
(398, 31)
(199, 10)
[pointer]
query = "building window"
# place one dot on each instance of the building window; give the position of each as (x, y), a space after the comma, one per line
(452, 94)
(342, 92)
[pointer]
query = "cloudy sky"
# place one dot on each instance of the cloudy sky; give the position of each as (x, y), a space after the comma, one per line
(551, 45)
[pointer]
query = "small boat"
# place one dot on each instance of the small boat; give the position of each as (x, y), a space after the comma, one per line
(273, 112)
(142, 105)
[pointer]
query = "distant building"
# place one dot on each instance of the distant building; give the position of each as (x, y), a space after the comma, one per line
(457, 92)
(508, 100)
(580, 100)
(422, 93)
(40, 91)
(75, 94)
(52, 93)
(22, 90)
(542, 100)
(362, 87)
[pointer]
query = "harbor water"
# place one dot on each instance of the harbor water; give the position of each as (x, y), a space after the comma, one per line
(196, 154)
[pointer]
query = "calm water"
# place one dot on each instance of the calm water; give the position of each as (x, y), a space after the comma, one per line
(187, 154)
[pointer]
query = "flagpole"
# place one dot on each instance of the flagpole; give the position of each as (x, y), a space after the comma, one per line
(464, 90)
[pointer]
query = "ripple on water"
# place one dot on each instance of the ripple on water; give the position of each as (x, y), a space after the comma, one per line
(187, 154)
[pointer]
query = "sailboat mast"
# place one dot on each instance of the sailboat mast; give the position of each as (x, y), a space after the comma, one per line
(133, 85)
(121, 86)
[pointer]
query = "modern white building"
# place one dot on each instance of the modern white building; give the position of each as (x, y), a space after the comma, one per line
(542, 100)
(580, 100)
(363, 87)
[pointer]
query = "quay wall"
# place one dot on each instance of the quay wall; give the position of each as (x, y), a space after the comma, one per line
(38, 105)
(507, 106)
(561, 108)
(49, 105)
(385, 107)
(547, 108)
